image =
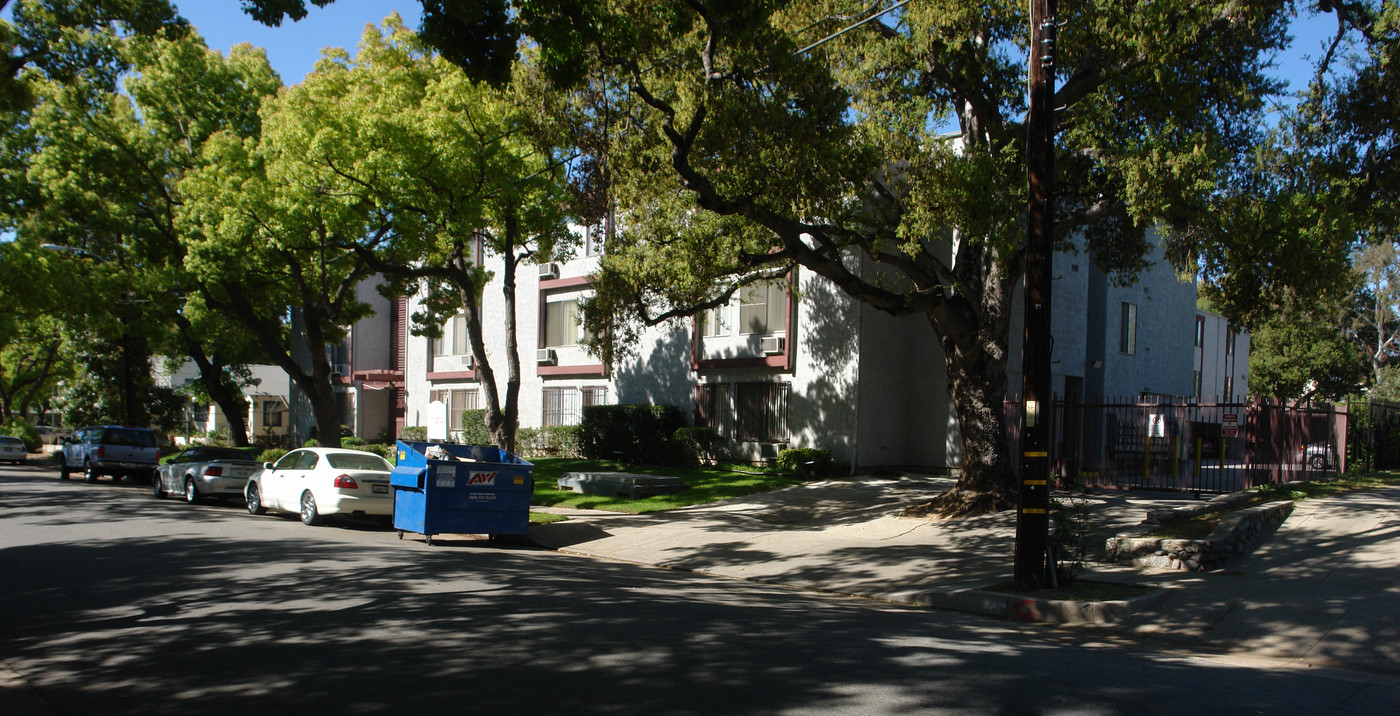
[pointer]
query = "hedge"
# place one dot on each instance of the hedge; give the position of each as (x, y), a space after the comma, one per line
(632, 433)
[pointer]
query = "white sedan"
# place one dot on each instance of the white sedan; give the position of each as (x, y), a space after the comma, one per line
(316, 482)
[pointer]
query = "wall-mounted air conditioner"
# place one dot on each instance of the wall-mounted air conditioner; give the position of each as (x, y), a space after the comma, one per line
(546, 356)
(467, 361)
(549, 271)
(772, 345)
(340, 369)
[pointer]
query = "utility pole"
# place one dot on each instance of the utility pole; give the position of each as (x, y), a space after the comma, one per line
(1032, 514)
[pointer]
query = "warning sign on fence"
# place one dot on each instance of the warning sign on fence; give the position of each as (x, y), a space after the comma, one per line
(1229, 432)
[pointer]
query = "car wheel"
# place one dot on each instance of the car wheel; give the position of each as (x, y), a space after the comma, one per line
(158, 492)
(309, 515)
(191, 494)
(255, 505)
(89, 473)
(1318, 462)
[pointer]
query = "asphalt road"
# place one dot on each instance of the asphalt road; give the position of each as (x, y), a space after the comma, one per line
(115, 602)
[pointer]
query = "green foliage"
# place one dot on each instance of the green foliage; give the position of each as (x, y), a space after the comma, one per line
(414, 434)
(1304, 352)
(796, 460)
(20, 428)
(1072, 534)
(631, 433)
(701, 444)
(559, 441)
(313, 442)
(385, 451)
(352, 441)
(474, 430)
(271, 455)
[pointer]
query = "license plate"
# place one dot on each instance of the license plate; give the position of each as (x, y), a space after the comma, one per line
(380, 489)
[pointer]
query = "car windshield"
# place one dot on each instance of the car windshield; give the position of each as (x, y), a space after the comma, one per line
(10, 440)
(357, 461)
(130, 438)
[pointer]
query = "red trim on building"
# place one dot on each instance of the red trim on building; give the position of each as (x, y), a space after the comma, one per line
(452, 375)
(555, 284)
(595, 370)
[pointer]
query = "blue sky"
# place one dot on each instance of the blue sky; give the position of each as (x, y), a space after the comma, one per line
(294, 47)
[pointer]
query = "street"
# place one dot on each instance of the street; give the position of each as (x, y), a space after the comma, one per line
(119, 603)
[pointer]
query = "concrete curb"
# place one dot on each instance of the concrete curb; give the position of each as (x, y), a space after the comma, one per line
(1019, 607)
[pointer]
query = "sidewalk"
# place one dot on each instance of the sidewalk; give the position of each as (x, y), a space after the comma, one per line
(1324, 588)
(840, 536)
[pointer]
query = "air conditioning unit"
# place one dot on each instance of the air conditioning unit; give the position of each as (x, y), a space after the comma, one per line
(548, 271)
(467, 361)
(546, 356)
(772, 345)
(340, 369)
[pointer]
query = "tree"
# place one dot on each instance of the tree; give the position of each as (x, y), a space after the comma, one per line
(748, 155)
(449, 166)
(106, 178)
(1304, 352)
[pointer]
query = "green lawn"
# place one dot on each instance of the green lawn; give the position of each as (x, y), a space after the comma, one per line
(707, 484)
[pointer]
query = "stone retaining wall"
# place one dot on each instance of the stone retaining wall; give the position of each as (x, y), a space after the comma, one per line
(1236, 533)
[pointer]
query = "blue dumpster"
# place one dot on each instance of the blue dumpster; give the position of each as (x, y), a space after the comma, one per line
(461, 489)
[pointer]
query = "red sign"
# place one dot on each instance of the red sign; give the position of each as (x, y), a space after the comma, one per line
(1229, 432)
(1230, 418)
(482, 478)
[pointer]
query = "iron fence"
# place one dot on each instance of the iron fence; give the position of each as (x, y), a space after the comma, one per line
(1194, 447)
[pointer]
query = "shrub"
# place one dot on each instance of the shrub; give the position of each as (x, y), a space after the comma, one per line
(631, 433)
(311, 443)
(352, 442)
(20, 428)
(271, 455)
(808, 461)
(414, 434)
(527, 441)
(1072, 534)
(704, 443)
(388, 452)
(559, 441)
(474, 428)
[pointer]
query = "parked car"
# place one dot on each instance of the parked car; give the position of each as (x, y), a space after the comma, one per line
(205, 471)
(316, 482)
(110, 450)
(12, 449)
(50, 435)
(1318, 455)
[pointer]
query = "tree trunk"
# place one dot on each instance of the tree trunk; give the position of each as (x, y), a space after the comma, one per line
(216, 383)
(986, 482)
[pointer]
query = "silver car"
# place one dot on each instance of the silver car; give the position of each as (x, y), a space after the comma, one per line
(12, 449)
(205, 471)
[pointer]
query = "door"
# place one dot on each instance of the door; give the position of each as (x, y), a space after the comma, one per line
(284, 476)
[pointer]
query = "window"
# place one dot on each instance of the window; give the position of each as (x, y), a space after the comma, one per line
(1229, 388)
(454, 340)
(1127, 329)
(1200, 331)
(272, 413)
(595, 396)
(595, 239)
(1198, 385)
(715, 322)
(1229, 343)
(561, 407)
(460, 344)
(759, 410)
(763, 307)
(561, 324)
(456, 401)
